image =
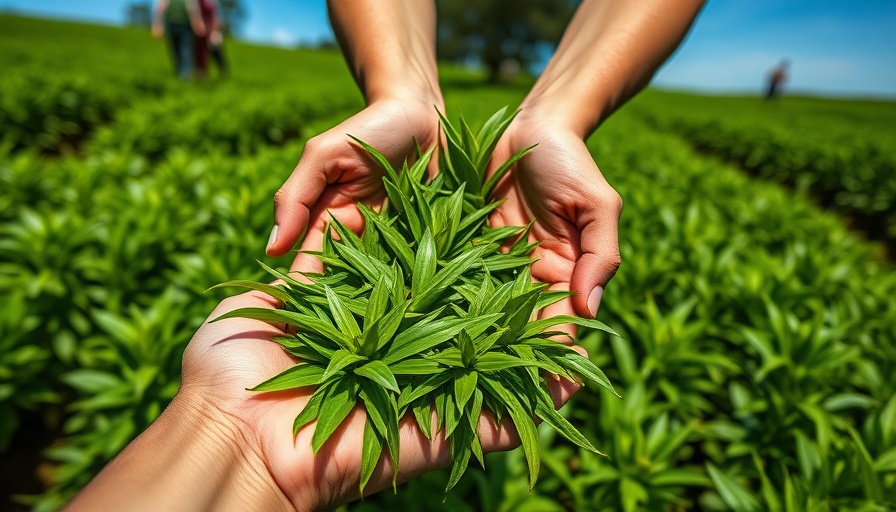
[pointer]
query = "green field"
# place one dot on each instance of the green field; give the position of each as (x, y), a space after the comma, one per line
(757, 362)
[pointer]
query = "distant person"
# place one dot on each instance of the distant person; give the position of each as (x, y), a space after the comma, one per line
(776, 79)
(181, 20)
(211, 42)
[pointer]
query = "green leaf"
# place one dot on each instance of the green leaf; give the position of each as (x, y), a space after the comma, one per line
(525, 427)
(382, 408)
(424, 335)
(497, 361)
(424, 264)
(460, 455)
(341, 314)
(370, 268)
(576, 363)
(379, 157)
(447, 277)
(341, 359)
(546, 412)
(310, 411)
(89, 381)
(333, 410)
(393, 238)
(502, 170)
(415, 366)
(274, 291)
(426, 387)
(371, 449)
(378, 372)
(538, 326)
(464, 386)
(733, 493)
(378, 301)
(299, 320)
(423, 414)
(300, 375)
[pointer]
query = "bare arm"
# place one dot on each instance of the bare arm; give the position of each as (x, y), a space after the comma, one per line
(158, 28)
(191, 458)
(196, 20)
(390, 49)
(389, 46)
(609, 52)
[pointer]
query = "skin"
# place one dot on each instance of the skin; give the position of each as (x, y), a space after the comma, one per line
(220, 447)
(607, 54)
(196, 22)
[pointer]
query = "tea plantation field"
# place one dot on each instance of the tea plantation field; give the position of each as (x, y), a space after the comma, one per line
(757, 362)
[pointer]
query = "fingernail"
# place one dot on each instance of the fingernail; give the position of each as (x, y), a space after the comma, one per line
(272, 238)
(594, 299)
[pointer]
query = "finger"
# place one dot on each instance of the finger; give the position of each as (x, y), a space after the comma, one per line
(294, 200)
(599, 240)
(563, 307)
(321, 216)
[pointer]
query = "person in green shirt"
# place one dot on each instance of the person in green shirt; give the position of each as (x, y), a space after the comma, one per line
(180, 19)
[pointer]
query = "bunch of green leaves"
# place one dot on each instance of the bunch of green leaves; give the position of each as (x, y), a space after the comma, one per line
(425, 312)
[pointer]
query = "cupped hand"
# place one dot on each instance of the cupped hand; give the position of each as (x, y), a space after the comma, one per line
(575, 211)
(224, 358)
(334, 173)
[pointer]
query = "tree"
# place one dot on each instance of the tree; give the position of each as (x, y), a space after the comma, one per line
(139, 14)
(232, 13)
(498, 31)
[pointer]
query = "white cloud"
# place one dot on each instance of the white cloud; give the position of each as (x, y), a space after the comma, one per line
(283, 37)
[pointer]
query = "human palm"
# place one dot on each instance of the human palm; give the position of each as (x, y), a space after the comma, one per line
(334, 173)
(225, 358)
(575, 212)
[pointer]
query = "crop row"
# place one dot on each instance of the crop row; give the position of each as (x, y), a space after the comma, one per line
(756, 362)
(847, 161)
(756, 359)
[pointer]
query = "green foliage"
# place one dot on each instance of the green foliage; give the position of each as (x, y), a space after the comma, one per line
(493, 31)
(849, 166)
(759, 334)
(424, 310)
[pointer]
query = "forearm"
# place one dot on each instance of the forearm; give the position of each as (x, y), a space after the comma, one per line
(389, 46)
(195, 16)
(188, 459)
(609, 52)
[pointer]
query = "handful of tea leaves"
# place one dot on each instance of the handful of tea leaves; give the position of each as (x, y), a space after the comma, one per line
(425, 311)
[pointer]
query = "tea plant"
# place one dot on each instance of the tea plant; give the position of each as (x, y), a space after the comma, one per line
(424, 312)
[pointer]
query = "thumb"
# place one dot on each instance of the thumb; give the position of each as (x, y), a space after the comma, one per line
(294, 200)
(600, 259)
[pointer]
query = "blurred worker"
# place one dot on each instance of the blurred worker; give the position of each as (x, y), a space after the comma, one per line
(210, 42)
(181, 20)
(776, 79)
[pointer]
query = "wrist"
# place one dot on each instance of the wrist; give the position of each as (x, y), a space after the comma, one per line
(556, 112)
(220, 445)
(193, 457)
(408, 82)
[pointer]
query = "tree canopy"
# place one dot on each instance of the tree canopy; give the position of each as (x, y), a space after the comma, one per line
(495, 32)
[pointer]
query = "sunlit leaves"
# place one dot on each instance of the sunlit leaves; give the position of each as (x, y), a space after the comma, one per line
(425, 313)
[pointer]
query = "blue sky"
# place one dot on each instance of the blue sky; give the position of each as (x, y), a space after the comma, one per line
(835, 47)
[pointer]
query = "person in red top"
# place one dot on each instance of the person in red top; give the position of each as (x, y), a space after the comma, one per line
(210, 41)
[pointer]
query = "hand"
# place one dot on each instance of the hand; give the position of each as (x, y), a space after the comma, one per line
(158, 30)
(225, 358)
(215, 38)
(334, 173)
(199, 28)
(576, 212)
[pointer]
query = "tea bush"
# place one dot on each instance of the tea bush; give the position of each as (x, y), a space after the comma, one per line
(757, 364)
(845, 155)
